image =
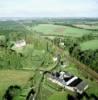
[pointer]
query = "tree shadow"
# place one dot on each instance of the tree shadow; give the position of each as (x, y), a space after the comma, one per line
(94, 96)
(70, 97)
(31, 92)
(87, 97)
(11, 92)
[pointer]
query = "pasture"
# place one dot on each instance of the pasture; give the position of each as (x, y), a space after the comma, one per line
(58, 96)
(13, 77)
(85, 26)
(92, 44)
(49, 29)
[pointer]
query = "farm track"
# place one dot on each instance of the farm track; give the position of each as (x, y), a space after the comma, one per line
(85, 68)
(42, 78)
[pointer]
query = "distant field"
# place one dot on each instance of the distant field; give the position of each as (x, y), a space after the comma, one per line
(13, 77)
(60, 30)
(93, 44)
(85, 26)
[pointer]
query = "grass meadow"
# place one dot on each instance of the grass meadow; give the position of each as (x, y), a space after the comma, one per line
(91, 44)
(13, 77)
(50, 29)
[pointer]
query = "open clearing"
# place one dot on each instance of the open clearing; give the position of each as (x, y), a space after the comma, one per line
(49, 29)
(92, 44)
(13, 77)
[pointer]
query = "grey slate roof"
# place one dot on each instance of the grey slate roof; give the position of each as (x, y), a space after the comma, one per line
(77, 84)
(81, 86)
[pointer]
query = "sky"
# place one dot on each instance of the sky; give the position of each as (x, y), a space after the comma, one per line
(48, 8)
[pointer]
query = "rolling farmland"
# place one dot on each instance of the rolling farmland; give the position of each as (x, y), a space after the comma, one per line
(27, 66)
(50, 29)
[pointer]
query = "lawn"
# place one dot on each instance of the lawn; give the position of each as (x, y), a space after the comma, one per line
(44, 93)
(60, 30)
(13, 77)
(59, 96)
(92, 44)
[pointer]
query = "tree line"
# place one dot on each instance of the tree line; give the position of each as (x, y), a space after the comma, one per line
(88, 57)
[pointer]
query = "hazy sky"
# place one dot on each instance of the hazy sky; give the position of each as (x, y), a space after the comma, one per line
(48, 8)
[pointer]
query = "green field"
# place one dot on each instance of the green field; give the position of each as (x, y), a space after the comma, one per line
(58, 96)
(85, 26)
(92, 44)
(13, 77)
(50, 29)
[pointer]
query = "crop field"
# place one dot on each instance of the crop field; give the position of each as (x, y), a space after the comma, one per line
(92, 44)
(49, 29)
(13, 77)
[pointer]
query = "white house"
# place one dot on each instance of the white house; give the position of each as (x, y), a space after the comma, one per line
(55, 59)
(19, 44)
(61, 44)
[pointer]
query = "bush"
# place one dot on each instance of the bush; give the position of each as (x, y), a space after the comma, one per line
(11, 92)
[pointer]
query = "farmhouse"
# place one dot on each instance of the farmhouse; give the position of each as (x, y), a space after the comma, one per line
(68, 81)
(19, 44)
(61, 44)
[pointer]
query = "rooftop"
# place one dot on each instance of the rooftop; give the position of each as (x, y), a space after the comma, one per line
(69, 80)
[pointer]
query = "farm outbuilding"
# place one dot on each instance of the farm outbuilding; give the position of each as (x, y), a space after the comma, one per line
(68, 81)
